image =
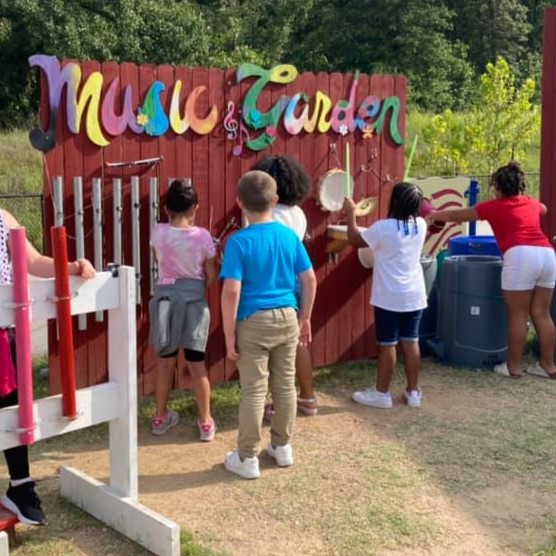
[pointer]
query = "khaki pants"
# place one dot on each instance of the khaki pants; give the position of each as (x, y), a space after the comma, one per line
(267, 343)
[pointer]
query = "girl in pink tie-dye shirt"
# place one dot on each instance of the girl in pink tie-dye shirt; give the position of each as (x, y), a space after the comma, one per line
(186, 259)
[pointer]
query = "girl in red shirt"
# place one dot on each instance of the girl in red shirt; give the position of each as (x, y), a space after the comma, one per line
(529, 266)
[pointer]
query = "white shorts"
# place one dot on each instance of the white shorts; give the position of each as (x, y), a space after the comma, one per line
(528, 266)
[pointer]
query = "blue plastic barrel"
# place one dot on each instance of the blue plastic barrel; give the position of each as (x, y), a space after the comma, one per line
(474, 245)
(472, 326)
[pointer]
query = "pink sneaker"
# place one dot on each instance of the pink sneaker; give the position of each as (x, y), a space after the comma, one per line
(268, 412)
(207, 430)
(160, 425)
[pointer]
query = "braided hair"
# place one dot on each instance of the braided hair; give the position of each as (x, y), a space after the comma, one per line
(181, 197)
(509, 180)
(294, 184)
(405, 201)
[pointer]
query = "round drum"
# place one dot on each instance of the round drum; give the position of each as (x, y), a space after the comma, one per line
(331, 190)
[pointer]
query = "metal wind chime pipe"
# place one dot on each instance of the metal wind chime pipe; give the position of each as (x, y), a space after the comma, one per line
(153, 219)
(97, 233)
(135, 235)
(79, 233)
(117, 215)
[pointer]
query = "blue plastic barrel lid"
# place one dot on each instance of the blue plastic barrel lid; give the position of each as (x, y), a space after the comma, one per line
(474, 245)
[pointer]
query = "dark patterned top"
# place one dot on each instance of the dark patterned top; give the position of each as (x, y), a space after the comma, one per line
(5, 259)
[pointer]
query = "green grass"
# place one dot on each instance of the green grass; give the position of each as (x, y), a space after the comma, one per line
(20, 164)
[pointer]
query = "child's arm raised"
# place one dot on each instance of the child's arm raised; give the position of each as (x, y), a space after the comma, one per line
(354, 237)
(230, 302)
(455, 215)
(308, 283)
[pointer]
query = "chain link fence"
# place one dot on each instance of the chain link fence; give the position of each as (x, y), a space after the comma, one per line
(28, 209)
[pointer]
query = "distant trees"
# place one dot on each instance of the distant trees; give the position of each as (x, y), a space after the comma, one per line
(441, 45)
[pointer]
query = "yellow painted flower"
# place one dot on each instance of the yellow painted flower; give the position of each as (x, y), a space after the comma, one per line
(142, 119)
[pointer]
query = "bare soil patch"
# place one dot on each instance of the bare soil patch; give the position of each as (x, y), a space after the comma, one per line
(471, 473)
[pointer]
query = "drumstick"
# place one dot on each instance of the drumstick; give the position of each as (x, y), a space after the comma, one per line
(347, 190)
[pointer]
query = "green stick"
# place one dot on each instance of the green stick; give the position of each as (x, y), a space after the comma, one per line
(410, 159)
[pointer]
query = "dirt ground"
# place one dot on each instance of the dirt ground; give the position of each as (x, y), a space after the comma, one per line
(470, 473)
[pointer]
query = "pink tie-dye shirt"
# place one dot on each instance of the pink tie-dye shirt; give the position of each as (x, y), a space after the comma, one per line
(181, 252)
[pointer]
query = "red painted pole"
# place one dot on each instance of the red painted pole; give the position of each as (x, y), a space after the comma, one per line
(22, 301)
(65, 328)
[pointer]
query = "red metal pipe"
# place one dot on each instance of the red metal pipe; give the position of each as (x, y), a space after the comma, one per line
(22, 301)
(65, 328)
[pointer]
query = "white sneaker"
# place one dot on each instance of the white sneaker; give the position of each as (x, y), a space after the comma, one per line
(282, 454)
(373, 398)
(537, 370)
(503, 370)
(413, 398)
(247, 469)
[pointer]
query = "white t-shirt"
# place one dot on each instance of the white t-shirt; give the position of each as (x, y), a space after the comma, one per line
(292, 217)
(398, 281)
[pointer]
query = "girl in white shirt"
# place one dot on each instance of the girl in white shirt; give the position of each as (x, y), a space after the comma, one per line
(294, 186)
(398, 292)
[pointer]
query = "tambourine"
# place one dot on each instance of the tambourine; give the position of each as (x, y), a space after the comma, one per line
(331, 190)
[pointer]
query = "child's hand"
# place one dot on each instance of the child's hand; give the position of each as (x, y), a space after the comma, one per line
(348, 206)
(231, 351)
(305, 336)
(85, 269)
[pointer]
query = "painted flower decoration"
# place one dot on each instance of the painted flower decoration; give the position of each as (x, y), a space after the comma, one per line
(142, 119)
(367, 132)
(343, 129)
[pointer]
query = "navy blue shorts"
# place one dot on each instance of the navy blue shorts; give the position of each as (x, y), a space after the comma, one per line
(393, 327)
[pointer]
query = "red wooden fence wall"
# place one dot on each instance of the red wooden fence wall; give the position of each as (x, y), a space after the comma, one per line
(342, 321)
(548, 131)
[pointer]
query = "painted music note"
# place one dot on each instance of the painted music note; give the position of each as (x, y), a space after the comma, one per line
(230, 123)
(243, 137)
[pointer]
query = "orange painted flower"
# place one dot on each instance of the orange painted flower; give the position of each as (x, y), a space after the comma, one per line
(368, 132)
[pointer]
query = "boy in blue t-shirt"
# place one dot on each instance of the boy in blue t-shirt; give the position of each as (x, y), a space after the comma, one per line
(263, 323)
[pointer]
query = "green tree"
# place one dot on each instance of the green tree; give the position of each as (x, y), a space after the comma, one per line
(491, 28)
(505, 118)
(388, 36)
(502, 123)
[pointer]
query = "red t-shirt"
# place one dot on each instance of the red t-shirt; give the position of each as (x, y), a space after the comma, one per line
(514, 221)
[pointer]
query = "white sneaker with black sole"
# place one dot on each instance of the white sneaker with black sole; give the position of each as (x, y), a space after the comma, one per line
(283, 455)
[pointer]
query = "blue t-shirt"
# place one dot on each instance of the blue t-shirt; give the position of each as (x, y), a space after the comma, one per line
(265, 258)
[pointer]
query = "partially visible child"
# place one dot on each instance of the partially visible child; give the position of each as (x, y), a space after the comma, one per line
(293, 187)
(529, 265)
(398, 294)
(21, 498)
(179, 313)
(263, 323)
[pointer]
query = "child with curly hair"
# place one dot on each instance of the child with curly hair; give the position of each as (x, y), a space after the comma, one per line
(294, 186)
